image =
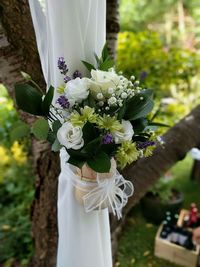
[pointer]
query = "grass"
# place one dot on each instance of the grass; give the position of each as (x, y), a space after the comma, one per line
(136, 246)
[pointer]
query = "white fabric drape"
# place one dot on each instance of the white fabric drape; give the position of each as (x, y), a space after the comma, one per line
(75, 30)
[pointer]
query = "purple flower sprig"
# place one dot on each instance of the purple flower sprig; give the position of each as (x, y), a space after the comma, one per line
(62, 66)
(63, 101)
(144, 145)
(107, 139)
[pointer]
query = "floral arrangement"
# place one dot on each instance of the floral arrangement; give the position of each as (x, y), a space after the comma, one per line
(94, 119)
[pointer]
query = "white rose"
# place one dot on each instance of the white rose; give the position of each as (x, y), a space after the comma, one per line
(70, 136)
(77, 90)
(102, 81)
(124, 135)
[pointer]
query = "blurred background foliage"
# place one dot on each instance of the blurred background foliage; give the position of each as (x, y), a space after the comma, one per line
(159, 43)
(16, 188)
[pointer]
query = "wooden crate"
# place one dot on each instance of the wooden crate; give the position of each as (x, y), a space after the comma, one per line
(174, 253)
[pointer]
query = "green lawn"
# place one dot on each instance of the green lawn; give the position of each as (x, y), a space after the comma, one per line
(136, 246)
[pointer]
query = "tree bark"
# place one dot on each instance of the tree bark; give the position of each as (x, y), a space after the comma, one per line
(19, 52)
(195, 174)
(112, 25)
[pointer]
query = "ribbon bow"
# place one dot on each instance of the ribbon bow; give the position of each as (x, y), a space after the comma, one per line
(112, 193)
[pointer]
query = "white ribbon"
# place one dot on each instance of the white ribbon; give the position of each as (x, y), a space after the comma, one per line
(111, 193)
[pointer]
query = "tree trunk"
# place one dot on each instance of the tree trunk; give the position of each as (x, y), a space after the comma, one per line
(195, 174)
(18, 53)
(112, 25)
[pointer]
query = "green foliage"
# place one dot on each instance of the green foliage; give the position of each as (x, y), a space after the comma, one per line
(19, 131)
(139, 106)
(16, 194)
(16, 186)
(100, 163)
(40, 129)
(28, 99)
(144, 55)
(163, 189)
(135, 15)
(47, 101)
(162, 16)
(103, 63)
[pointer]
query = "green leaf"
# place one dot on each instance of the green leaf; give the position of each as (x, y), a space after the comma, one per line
(51, 137)
(93, 146)
(28, 99)
(76, 162)
(159, 124)
(110, 149)
(139, 106)
(26, 76)
(100, 163)
(20, 132)
(106, 65)
(47, 101)
(89, 132)
(79, 154)
(105, 52)
(97, 59)
(56, 146)
(139, 125)
(88, 65)
(40, 129)
(56, 126)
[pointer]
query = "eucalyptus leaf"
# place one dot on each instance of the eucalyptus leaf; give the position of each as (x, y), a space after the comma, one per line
(28, 99)
(19, 132)
(40, 129)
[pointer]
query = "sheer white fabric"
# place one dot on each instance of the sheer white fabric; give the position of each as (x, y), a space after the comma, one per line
(75, 30)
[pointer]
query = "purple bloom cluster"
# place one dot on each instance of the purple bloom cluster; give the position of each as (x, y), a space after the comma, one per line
(145, 144)
(107, 139)
(77, 74)
(62, 66)
(63, 101)
(67, 79)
